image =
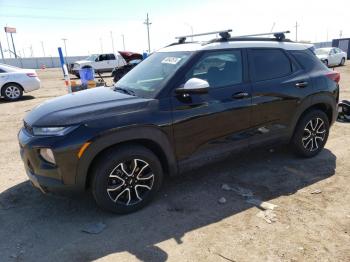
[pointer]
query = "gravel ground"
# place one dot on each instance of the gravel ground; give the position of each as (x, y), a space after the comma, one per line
(195, 217)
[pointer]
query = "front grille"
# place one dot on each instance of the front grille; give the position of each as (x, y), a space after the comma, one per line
(28, 128)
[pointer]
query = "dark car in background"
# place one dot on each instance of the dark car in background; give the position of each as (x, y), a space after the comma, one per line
(119, 72)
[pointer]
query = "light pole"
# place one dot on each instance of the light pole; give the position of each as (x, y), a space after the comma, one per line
(42, 45)
(2, 53)
(101, 45)
(191, 27)
(296, 31)
(123, 41)
(148, 23)
(112, 42)
(65, 48)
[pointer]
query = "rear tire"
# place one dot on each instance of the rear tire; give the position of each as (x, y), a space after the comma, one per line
(342, 62)
(326, 63)
(310, 134)
(126, 178)
(12, 92)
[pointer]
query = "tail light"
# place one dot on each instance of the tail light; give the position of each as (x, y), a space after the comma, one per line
(335, 76)
(31, 74)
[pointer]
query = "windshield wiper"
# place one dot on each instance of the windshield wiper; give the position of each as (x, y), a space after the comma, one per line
(125, 91)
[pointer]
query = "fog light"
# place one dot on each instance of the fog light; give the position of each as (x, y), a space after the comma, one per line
(47, 154)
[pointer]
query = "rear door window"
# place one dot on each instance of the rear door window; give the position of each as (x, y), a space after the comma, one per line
(267, 64)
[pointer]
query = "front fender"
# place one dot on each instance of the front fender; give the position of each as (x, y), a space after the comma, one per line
(126, 134)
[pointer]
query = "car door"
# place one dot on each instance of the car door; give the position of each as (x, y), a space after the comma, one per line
(100, 64)
(111, 61)
(216, 121)
(278, 85)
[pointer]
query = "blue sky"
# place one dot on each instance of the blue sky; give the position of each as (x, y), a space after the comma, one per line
(87, 24)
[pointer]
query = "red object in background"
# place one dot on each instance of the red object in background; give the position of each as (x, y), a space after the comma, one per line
(128, 56)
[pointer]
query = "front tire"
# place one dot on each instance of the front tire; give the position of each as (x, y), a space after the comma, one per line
(12, 92)
(126, 178)
(311, 134)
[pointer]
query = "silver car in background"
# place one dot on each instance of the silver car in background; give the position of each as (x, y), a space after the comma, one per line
(15, 81)
(331, 56)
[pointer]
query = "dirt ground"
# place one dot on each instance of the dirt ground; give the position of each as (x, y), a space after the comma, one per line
(186, 222)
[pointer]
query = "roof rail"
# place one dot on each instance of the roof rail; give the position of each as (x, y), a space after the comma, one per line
(224, 34)
(278, 35)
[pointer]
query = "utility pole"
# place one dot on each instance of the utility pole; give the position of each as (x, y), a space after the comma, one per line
(296, 31)
(123, 42)
(13, 45)
(148, 23)
(112, 42)
(23, 53)
(65, 48)
(340, 33)
(42, 45)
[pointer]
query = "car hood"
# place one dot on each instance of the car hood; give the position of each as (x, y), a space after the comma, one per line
(83, 62)
(76, 108)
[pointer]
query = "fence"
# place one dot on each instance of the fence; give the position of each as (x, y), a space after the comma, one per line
(38, 62)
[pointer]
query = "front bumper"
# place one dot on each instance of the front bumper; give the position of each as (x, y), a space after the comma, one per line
(45, 175)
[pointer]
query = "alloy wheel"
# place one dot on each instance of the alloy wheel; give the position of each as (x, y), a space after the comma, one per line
(12, 92)
(314, 134)
(130, 182)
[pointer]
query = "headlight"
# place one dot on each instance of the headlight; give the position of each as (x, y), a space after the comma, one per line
(52, 131)
(47, 154)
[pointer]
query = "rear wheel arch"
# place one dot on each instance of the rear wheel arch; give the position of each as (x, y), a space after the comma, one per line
(323, 106)
(149, 137)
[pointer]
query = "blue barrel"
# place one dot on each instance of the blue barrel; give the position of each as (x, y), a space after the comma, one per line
(87, 73)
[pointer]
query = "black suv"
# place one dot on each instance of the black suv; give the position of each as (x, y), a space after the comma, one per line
(184, 103)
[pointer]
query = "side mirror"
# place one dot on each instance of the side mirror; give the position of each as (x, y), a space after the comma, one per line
(96, 60)
(194, 86)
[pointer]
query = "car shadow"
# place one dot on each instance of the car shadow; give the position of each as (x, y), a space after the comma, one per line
(23, 98)
(50, 225)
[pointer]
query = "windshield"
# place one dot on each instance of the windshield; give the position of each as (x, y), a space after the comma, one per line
(91, 58)
(322, 51)
(149, 77)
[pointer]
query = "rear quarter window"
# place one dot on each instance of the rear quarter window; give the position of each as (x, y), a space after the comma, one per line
(267, 64)
(308, 60)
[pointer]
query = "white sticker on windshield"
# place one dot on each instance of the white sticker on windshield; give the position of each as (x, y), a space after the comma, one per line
(171, 60)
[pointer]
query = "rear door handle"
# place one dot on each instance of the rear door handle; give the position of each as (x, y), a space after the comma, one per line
(301, 84)
(240, 95)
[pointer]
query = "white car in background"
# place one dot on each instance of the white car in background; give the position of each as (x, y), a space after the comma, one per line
(99, 62)
(331, 56)
(14, 81)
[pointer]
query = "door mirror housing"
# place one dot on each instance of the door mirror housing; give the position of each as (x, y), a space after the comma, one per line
(194, 86)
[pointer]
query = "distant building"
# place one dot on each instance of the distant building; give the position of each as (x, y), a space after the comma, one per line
(343, 44)
(322, 44)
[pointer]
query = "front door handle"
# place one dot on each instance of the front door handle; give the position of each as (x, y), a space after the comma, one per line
(240, 95)
(301, 84)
